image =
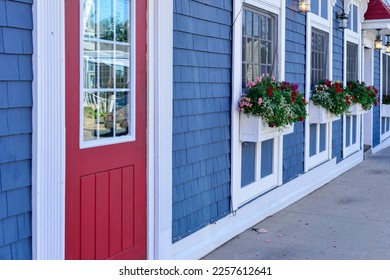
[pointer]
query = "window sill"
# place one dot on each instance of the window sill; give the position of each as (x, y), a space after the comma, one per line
(254, 129)
(320, 115)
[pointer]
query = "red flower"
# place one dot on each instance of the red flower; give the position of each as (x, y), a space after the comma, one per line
(303, 100)
(271, 125)
(300, 118)
(269, 91)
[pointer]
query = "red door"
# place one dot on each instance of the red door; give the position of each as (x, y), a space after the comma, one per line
(105, 129)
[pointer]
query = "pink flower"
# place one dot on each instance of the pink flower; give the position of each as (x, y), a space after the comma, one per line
(259, 101)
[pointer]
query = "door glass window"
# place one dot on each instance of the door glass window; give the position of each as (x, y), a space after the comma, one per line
(107, 87)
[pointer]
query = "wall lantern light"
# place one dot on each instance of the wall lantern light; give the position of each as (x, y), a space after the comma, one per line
(304, 6)
(387, 50)
(343, 20)
(378, 41)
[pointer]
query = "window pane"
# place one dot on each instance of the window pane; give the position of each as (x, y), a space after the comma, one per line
(107, 114)
(106, 20)
(319, 54)
(352, 62)
(122, 20)
(249, 50)
(122, 64)
(324, 9)
(258, 44)
(122, 110)
(248, 24)
(314, 7)
(256, 31)
(90, 19)
(383, 125)
(267, 148)
(106, 65)
(90, 65)
(348, 131)
(90, 119)
(248, 156)
(355, 18)
(106, 69)
(322, 137)
(387, 124)
(354, 129)
(313, 139)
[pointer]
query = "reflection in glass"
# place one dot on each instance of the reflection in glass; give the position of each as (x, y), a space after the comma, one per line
(106, 20)
(122, 107)
(122, 60)
(122, 21)
(106, 65)
(107, 114)
(90, 65)
(89, 18)
(90, 115)
(106, 69)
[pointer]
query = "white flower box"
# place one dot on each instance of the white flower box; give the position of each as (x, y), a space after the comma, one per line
(357, 109)
(254, 129)
(385, 110)
(318, 114)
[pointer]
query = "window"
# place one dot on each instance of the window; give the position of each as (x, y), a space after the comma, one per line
(319, 56)
(385, 129)
(259, 44)
(107, 86)
(259, 160)
(318, 146)
(353, 19)
(385, 74)
(351, 123)
(352, 62)
(320, 8)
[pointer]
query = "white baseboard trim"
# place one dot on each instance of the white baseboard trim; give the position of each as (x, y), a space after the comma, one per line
(211, 237)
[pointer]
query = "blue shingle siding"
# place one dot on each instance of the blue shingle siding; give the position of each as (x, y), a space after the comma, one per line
(376, 114)
(295, 67)
(338, 54)
(201, 113)
(16, 48)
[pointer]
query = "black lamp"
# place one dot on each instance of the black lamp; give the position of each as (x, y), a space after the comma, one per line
(378, 41)
(343, 20)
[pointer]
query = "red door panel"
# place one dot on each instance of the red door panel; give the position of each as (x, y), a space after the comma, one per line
(105, 185)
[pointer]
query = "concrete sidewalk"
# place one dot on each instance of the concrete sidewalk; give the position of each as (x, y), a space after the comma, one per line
(348, 218)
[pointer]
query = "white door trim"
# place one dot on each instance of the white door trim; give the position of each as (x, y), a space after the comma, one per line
(48, 149)
(159, 123)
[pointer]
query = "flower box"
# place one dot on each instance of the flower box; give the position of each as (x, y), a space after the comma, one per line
(254, 129)
(385, 110)
(317, 114)
(357, 109)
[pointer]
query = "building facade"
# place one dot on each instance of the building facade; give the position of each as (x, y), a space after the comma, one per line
(121, 137)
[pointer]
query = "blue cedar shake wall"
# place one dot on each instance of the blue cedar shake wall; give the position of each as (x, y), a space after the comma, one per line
(201, 113)
(293, 144)
(338, 47)
(376, 117)
(15, 128)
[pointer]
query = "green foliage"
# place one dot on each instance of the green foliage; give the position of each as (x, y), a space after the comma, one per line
(331, 96)
(367, 96)
(386, 99)
(278, 103)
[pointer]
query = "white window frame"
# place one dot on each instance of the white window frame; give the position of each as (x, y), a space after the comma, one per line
(240, 195)
(326, 25)
(131, 89)
(385, 135)
(355, 38)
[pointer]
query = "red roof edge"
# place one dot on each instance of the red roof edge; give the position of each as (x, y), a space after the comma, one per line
(377, 9)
